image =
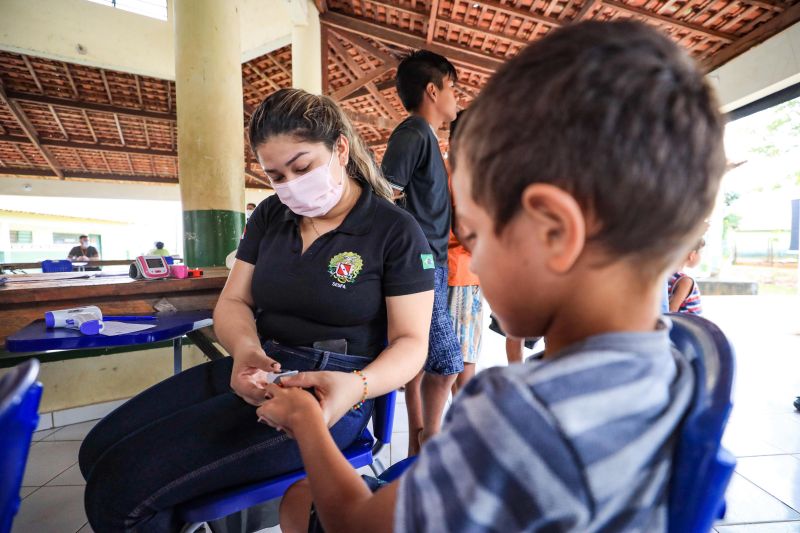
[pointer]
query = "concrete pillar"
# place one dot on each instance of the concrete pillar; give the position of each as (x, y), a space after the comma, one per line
(208, 82)
(307, 52)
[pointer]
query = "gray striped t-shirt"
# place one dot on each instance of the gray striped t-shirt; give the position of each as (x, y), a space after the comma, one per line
(579, 442)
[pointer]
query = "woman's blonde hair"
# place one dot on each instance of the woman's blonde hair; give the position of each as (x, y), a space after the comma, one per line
(313, 118)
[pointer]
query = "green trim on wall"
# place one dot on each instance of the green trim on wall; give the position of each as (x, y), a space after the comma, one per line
(209, 235)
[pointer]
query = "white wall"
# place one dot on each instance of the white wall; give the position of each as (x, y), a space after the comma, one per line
(761, 71)
(119, 40)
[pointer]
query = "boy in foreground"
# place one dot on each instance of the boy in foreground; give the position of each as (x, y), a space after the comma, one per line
(570, 168)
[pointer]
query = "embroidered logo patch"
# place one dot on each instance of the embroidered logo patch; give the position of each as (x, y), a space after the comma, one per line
(345, 267)
(427, 261)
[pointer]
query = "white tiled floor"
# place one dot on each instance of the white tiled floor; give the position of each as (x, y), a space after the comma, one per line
(764, 431)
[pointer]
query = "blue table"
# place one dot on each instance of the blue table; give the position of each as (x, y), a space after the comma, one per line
(35, 337)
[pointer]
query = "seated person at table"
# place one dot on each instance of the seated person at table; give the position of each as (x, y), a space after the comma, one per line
(83, 252)
(159, 250)
(330, 277)
(572, 170)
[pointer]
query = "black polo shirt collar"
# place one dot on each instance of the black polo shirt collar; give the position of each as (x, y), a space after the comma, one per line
(357, 222)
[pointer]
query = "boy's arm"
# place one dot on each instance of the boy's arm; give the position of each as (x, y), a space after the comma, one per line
(343, 501)
(403, 154)
(679, 293)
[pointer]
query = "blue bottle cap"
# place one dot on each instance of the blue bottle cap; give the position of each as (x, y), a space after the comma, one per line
(49, 320)
(91, 327)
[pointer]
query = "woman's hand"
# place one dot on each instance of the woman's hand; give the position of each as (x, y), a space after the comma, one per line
(337, 392)
(288, 408)
(249, 375)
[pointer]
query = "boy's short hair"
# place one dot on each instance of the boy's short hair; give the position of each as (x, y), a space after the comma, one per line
(416, 71)
(700, 245)
(83, 237)
(616, 114)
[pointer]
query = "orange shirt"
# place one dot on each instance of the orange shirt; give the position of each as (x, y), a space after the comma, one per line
(458, 272)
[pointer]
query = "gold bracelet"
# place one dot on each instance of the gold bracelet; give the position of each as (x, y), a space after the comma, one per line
(364, 396)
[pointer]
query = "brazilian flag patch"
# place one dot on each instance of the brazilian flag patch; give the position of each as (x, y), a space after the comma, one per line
(427, 261)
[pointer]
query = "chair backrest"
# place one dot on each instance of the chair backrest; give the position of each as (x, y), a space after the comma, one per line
(56, 265)
(383, 419)
(19, 404)
(701, 467)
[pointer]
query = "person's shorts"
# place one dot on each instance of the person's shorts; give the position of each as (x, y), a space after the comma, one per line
(466, 311)
(444, 353)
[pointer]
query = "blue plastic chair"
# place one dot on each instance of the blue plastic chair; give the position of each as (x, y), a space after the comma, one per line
(19, 404)
(56, 265)
(363, 452)
(702, 469)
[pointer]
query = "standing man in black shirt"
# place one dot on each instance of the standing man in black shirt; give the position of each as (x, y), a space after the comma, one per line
(414, 166)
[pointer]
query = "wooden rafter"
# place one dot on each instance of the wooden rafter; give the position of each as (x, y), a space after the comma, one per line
(587, 10)
(58, 122)
(90, 106)
(361, 82)
(278, 64)
(33, 73)
(758, 35)
(75, 93)
(30, 132)
(367, 47)
(667, 21)
(260, 74)
(458, 54)
(119, 129)
(354, 67)
(431, 27)
(383, 102)
(107, 87)
(139, 90)
(88, 175)
(89, 125)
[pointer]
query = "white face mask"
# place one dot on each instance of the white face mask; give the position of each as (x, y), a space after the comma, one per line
(314, 193)
(248, 213)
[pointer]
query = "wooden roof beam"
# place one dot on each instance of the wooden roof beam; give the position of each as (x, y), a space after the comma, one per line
(431, 27)
(71, 80)
(33, 73)
(474, 59)
(30, 132)
(383, 102)
(263, 76)
(757, 36)
(367, 47)
(90, 106)
(354, 67)
(108, 89)
(88, 175)
(668, 21)
(360, 82)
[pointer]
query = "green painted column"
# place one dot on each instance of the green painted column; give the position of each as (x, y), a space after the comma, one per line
(208, 87)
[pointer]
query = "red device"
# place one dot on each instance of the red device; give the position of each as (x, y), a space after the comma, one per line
(195, 273)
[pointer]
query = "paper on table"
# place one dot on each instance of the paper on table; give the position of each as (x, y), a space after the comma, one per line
(111, 328)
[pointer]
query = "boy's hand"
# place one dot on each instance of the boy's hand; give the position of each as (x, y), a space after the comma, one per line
(288, 408)
(337, 392)
(249, 375)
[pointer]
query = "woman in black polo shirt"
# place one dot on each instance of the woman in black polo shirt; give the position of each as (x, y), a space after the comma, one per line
(330, 277)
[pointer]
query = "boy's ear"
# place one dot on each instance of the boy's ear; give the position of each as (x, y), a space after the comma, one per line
(432, 91)
(559, 224)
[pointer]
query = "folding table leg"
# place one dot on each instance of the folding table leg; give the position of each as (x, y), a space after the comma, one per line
(176, 355)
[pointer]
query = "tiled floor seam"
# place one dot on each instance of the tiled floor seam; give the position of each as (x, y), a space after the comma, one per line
(790, 506)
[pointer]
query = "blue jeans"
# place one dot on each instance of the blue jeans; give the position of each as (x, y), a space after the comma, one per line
(190, 435)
